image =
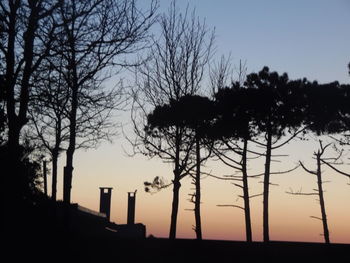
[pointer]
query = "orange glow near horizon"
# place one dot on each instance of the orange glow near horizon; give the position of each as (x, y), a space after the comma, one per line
(289, 215)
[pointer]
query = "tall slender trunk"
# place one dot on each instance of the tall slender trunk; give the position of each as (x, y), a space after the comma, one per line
(266, 236)
(15, 180)
(13, 129)
(13, 138)
(54, 156)
(246, 193)
(68, 169)
(175, 208)
(14, 124)
(16, 121)
(45, 177)
(197, 204)
(176, 188)
(322, 205)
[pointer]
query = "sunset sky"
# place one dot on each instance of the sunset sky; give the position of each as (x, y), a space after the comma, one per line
(303, 38)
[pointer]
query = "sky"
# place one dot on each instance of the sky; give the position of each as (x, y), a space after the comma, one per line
(305, 38)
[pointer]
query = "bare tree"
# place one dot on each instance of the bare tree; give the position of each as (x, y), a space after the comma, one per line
(225, 153)
(319, 191)
(96, 37)
(242, 167)
(175, 68)
(220, 74)
(47, 110)
(27, 33)
(331, 162)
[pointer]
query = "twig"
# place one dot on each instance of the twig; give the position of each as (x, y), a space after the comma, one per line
(252, 196)
(335, 169)
(234, 206)
(315, 217)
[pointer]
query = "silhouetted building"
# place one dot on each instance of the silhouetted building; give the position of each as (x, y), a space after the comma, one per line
(131, 207)
(105, 201)
(87, 222)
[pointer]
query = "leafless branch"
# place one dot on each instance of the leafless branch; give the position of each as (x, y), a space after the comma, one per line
(299, 192)
(335, 169)
(307, 170)
(315, 217)
(234, 206)
(256, 195)
(279, 172)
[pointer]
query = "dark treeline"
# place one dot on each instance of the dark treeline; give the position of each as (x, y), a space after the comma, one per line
(268, 110)
(55, 57)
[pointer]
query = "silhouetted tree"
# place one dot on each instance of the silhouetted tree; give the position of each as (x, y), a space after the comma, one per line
(198, 113)
(232, 125)
(163, 137)
(325, 108)
(232, 130)
(276, 110)
(338, 121)
(220, 74)
(174, 69)
(194, 113)
(325, 114)
(48, 104)
(27, 33)
(96, 36)
(319, 192)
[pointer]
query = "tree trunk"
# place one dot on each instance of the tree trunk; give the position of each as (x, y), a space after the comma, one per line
(45, 177)
(54, 154)
(176, 187)
(12, 177)
(320, 192)
(246, 193)
(197, 205)
(266, 236)
(175, 207)
(68, 169)
(17, 178)
(67, 176)
(54, 176)
(13, 136)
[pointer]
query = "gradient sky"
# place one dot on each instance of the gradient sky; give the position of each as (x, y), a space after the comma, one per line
(305, 38)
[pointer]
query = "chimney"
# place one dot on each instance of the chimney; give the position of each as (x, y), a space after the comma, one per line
(131, 207)
(105, 201)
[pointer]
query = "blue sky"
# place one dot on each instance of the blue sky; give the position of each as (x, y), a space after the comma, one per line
(301, 37)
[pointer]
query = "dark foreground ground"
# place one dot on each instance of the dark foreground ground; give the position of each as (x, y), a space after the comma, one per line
(41, 236)
(109, 249)
(162, 250)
